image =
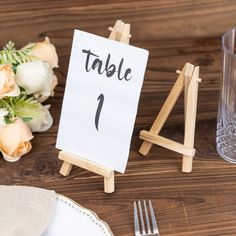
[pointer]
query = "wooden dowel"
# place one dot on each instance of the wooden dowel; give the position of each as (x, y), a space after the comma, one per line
(179, 71)
(186, 84)
(85, 164)
(112, 35)
(109, 183)
(190, 122)
(66, 168)
(167, 143)
(117, 30)
(168, 106)
(125, 36)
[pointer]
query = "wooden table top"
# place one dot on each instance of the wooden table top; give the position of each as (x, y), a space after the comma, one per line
(175, 32)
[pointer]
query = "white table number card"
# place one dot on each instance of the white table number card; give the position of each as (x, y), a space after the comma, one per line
(101, 97)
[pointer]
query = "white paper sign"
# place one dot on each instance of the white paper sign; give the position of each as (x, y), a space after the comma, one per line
(100, 103)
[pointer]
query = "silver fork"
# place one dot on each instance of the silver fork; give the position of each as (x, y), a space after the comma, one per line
(151, 229)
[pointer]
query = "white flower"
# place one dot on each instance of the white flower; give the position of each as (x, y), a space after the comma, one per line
(43, 121)
(3, 113)
(42, 98)
(35, 77)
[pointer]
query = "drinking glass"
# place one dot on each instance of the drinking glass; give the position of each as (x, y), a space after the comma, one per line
(226, 120)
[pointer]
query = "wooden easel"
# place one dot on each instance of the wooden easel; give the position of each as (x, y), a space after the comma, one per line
(120, 32)
(188, 80)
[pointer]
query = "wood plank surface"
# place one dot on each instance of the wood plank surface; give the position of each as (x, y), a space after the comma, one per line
(201, 203)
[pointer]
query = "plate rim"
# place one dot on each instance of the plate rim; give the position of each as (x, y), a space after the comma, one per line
(92, 212)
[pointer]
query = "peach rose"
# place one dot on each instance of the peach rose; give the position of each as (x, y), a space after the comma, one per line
(8, 85)
(15, 140)
(45, 51)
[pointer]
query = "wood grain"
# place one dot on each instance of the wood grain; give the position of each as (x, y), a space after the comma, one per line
(201, 203)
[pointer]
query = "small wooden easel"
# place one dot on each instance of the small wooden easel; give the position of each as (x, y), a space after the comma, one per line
(188, 80)
(120, 32)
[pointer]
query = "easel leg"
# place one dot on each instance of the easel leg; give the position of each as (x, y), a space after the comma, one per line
(190, 119)
(109, 183)
(187, 164)
(65, 168)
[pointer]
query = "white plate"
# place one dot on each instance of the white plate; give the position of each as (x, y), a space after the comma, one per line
(71, 219)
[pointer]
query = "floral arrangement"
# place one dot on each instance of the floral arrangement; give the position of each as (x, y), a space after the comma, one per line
(26, 80)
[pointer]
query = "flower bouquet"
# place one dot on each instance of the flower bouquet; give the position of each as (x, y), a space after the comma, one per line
(26, 80)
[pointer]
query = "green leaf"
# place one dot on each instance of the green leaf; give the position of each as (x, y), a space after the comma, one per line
(24, 106)
(4, 103)
(7, 120)
(10, 55)
(26, 119)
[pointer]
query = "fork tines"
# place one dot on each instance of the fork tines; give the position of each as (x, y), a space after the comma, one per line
(139, 226)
